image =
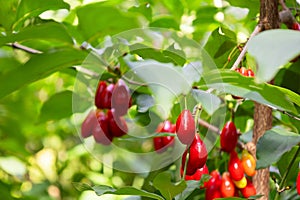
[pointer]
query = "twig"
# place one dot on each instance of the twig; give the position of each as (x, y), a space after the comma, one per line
(134, 82)
(282, 3)
(24, 48)
(289, 114)
(209, 126)
(242, 54)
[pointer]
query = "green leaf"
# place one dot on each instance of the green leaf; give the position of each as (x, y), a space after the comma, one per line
(232, 82)
(192, 72)
(47, 31)
(98, 19)
(191, 186)
(205, 15)
(285, 161)
(33, 8)
(160, 78)
(127, 190)
(209, 102)
(144, 9)
(39, 67)
(220, 44)
(8, 13)
(273, 144)
(59, 106)
(262, 46)
(144, 102)
(165, 22)
(288, 77)
(167, 188)
(252, 5)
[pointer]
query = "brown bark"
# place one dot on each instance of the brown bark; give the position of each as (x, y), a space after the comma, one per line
(262, 122)
(269, 19)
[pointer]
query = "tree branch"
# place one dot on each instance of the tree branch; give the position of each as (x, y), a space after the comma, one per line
(242, 54)
(24, 48)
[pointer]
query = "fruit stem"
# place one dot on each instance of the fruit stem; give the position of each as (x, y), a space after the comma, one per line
(185, 102)
(185, 164)
(197, 114)
(287, 172)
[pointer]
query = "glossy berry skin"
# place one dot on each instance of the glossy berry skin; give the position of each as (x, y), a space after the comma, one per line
(250, 73)
(235, 167)
(243, 71)
(298, 183)
(215, 179)
(227, 186)
(248, 163)
(185, 127)
(100, 89)
(106, 96)
(229, 137)
(101, 132)
(88, 124)
(198, 174)
(249, 190)
(296, 26)
(117, 125)
(212, 192)
(161, 142)
(120, 99)
(197, 156)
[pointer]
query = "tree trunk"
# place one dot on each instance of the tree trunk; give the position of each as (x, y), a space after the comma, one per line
(269, 19)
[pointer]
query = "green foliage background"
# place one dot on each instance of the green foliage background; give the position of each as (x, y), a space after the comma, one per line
(41, 153)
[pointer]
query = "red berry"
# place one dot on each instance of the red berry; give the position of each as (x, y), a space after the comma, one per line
(88, 124)
(100, 89)
(235, 167)
(106, 96)
(198, 174)
(197, 156)
(212, 192)
(249, 190)
(298, 183)
(214, 180)
(100, 132)
(185, 127)
(229, 137)
(116, 124)
(296, 26)
(161, 142)
(227, 186)
(250, 73)
(243, 71)
(120, 98)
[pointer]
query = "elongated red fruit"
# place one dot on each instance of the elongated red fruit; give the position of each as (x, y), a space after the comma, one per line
(106, 96)
(100, 89)
(197, 156)
(185, 127)
(101, 132)
(120, 98)
(249, 190)
(227, 186)
(88, 124)
(212, 193)
(235, 167)
(298, 183)
(164, 141)
(117, 125)
(229, 137)
(198, 174)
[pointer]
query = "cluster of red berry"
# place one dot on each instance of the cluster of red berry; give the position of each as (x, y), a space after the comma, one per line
(239, 170)
(186, 132)
(245, 72)
(107, 121)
